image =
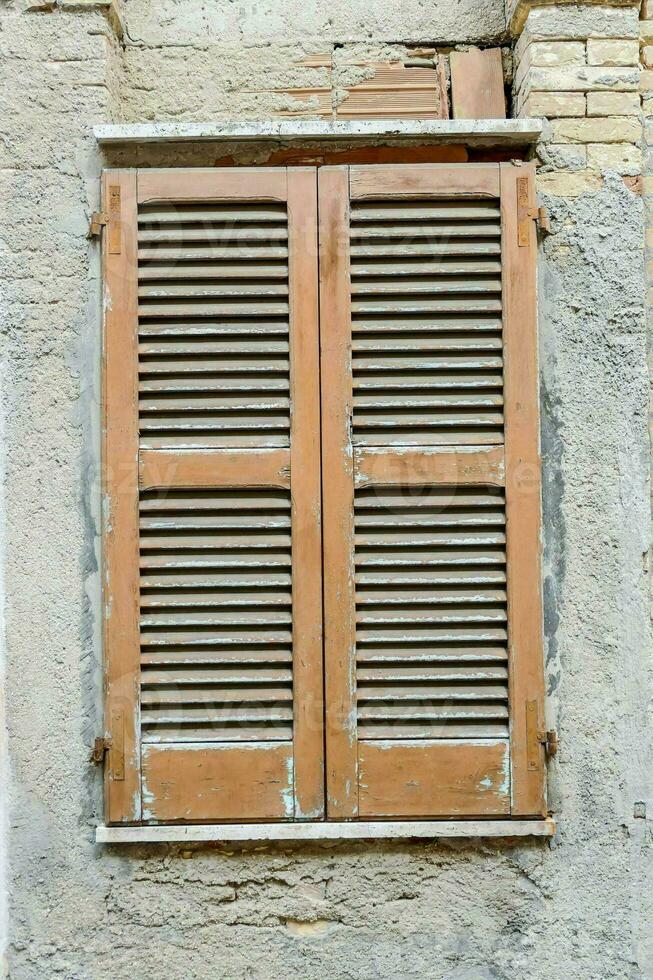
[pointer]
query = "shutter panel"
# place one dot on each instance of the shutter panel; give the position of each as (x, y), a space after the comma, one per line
(431, 491)
(212, 373)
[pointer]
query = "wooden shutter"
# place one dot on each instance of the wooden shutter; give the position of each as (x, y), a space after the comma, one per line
(431, 491)
(212, 556)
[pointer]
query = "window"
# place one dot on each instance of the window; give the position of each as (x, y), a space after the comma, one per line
(322, 494)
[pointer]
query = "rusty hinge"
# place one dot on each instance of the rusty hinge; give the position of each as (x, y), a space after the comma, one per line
(536, 738)
(526, 213)
(113, 744)
(539, 215)
(109, 220)
(101, 746)
(98, 220)
(542, 219)
(117, 769)
(550, 742)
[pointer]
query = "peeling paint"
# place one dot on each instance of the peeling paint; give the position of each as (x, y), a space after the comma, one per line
(288, 792)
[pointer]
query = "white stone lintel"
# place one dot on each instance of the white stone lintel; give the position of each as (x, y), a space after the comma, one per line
(335, 831)
(471, 132)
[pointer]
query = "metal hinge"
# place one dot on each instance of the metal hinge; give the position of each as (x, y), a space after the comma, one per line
(109, 220)
(536, 737)
(101, 746)
(526, 213)
(550, 742)
(541, 218)
(98, 220)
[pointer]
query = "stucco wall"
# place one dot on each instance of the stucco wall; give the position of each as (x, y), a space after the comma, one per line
(580, 906)
(193, 59)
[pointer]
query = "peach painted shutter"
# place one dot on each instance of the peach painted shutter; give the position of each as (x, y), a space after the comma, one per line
(431, 492)
(213, 634)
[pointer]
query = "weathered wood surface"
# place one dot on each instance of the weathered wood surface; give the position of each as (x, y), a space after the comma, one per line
(401, 182)
(375, 466)
(308, 668)
(243, 183)
(477, 84)
(523, 488)
(218, 782)
(338, 495)
(120, 503)
(213, 468)
(409, 779)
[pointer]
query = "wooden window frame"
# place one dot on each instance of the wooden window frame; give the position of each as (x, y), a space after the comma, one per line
(520, 465)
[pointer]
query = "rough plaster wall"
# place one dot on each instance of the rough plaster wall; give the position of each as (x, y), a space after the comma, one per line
(465, 911)
(55, 77)
(197, 59)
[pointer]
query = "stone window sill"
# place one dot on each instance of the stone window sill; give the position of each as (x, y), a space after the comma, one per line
(336, 831)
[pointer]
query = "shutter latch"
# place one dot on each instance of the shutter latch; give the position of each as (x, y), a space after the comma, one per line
(541, 218)
(101, 746)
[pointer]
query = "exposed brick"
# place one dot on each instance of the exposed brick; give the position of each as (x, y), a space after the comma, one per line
(615, 129)
(634, 184)
(612, 53)
(613, 103)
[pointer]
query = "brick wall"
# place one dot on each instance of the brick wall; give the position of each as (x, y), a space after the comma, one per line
(579, 66)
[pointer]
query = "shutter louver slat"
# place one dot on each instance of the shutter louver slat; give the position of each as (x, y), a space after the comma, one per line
(392, 532)
(173, 706)
(400, 357)
(196, 369)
